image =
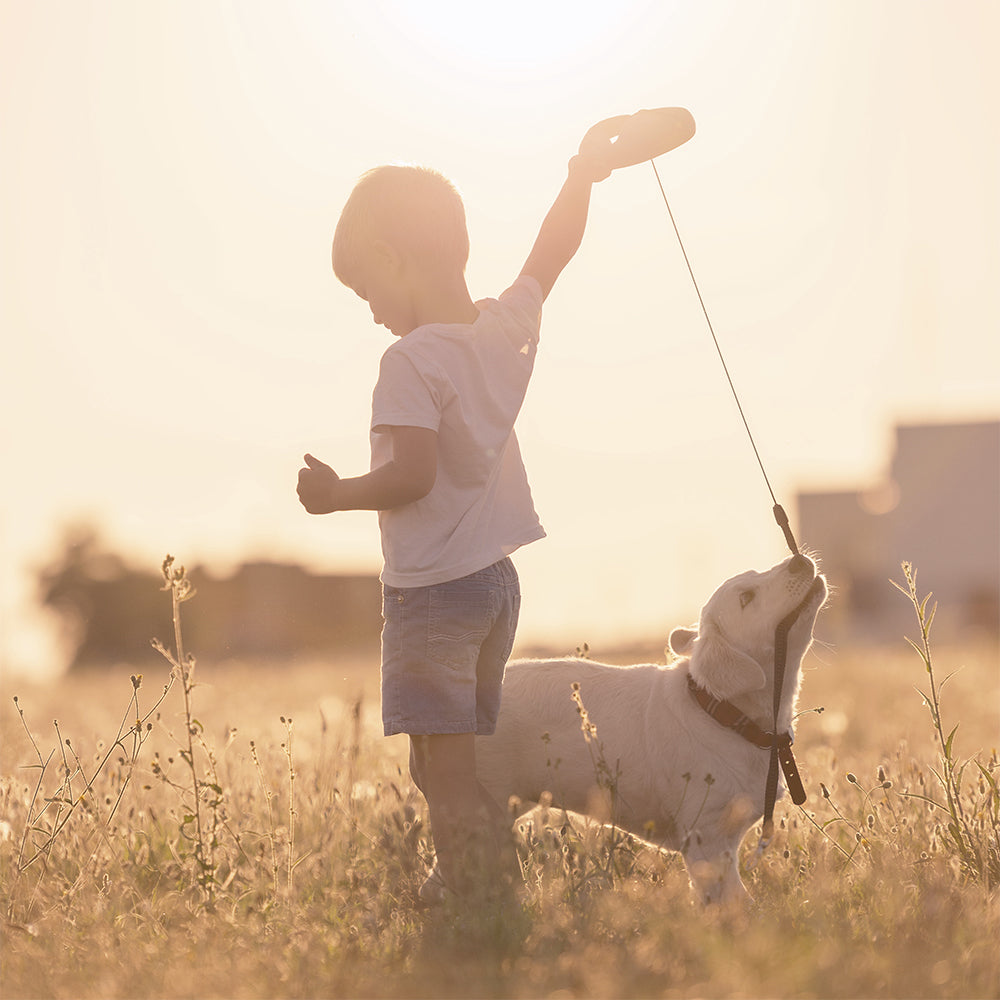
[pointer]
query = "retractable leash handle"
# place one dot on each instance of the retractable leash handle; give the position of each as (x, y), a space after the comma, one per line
(625, 140)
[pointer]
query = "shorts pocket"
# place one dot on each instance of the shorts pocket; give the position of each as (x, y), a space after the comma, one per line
(458, 622)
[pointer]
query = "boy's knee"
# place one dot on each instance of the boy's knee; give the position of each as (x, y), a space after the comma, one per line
(450, 757)
(444, 767)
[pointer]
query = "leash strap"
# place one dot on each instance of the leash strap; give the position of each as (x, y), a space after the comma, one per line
(780, 656)
(781, 755)
(792, 778)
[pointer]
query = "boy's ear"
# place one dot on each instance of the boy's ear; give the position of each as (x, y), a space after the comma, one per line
(386, 254)
(722, 669)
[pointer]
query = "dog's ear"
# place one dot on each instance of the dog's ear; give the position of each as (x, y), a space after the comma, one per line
(722, 669)
(681, 640)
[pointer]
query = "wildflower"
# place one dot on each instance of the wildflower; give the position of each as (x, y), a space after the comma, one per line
(852, 778)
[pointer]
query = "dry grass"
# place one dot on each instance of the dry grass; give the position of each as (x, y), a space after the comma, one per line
(319, 848)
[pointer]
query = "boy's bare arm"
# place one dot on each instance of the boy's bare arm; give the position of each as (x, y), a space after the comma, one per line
(562, 231)
(615, 142)
(408, 477)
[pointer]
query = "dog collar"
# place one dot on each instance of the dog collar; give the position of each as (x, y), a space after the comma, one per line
(728, 715)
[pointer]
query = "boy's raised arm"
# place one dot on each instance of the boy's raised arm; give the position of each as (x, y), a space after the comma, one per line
(562, 230)
(615, 142)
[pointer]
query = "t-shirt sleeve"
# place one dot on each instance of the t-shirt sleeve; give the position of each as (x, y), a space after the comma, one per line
(404, 396)
(523, 301)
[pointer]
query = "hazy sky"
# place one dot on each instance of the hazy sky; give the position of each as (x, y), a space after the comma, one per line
(174, 339)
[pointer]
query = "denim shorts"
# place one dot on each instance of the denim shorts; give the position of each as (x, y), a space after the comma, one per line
(444, 649)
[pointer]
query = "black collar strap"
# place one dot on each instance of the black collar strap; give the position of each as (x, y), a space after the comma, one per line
(728, 715)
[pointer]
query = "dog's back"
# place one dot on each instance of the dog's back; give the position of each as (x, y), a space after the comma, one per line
(638, 714)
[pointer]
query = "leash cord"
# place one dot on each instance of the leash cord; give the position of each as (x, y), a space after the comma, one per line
(779, 513)
(711, 330)
(781, 633)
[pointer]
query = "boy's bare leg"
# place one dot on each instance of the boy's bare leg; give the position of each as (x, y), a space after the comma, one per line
(469, 828)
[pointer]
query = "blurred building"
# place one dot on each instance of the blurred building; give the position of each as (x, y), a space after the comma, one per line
(109, 610)
(938, 508)
(269, 609)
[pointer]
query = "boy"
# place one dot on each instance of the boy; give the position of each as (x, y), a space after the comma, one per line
(447, 478)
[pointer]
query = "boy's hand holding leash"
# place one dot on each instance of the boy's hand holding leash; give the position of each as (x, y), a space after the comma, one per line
(625, 140)
(609, 145)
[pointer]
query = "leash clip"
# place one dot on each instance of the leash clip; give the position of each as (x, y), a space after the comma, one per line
(782, 518)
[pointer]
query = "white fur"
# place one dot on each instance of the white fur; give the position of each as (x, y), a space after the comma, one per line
(662, 742)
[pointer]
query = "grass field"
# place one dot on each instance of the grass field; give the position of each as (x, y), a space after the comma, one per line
(295, 872)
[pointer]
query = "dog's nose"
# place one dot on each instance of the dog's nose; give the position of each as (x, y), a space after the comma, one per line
(800, 565)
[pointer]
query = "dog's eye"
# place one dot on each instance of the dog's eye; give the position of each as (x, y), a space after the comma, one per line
(746, 597)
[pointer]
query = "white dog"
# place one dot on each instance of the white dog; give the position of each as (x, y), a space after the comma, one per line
(685, 781)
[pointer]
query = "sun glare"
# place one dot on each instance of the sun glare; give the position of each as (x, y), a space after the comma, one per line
(521, 34)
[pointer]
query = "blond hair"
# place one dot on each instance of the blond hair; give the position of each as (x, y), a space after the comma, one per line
(416, 210)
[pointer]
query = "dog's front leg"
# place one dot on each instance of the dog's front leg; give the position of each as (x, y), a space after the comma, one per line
(715, 876)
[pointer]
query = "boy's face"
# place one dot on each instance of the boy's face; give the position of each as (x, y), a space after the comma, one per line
(380, 282)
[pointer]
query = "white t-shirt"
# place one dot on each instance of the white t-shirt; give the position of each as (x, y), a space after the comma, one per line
(467, 383)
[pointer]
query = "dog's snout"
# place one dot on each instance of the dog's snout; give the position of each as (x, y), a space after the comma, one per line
(799, 565)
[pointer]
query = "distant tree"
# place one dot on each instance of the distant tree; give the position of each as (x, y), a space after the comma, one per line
(109, 611)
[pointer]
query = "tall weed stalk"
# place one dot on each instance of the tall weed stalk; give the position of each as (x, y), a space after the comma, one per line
(203, 803)
(974, 812)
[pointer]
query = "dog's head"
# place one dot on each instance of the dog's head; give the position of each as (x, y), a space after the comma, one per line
(732, 651)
